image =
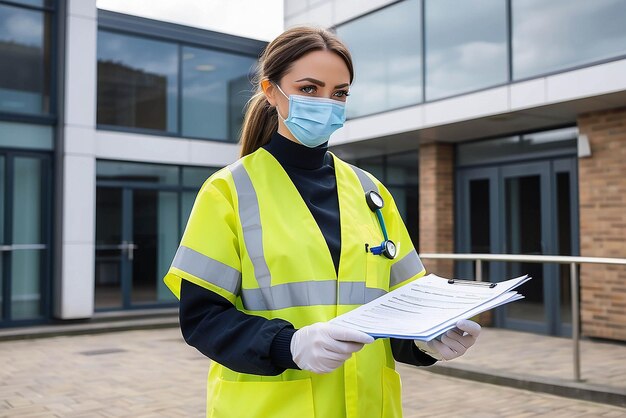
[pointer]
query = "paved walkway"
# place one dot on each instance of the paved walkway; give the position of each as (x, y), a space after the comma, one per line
(152, 373)
(544, 358)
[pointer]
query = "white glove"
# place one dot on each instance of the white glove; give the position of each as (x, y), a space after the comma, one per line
(322, 347)
(454, 343)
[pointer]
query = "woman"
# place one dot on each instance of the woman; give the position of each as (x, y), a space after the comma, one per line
(280, 242)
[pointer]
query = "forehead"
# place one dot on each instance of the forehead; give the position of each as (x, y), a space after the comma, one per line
(322, 65)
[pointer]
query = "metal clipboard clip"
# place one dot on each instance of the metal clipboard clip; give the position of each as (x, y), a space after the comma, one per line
(472, 283)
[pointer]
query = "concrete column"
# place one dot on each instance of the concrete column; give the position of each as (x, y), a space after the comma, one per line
(75, 183)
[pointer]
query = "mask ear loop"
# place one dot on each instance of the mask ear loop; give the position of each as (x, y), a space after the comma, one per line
(264, 86)
(286, 97)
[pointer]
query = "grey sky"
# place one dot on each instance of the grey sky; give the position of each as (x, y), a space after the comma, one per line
(248, 18)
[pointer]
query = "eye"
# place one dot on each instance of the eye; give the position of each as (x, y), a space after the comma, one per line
(341, 93)
(308, 89)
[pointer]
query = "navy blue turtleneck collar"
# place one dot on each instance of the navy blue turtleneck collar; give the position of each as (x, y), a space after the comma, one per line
(292, 154)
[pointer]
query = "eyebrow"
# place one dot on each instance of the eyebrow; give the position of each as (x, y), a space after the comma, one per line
(321, 83)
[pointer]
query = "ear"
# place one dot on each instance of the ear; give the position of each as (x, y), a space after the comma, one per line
(269, 90)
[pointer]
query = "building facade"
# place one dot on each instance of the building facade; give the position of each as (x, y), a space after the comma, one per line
(504, 124)
(109, 124)
(499, 126)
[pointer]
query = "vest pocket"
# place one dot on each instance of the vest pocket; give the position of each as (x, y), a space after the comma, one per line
(276, 399)
(392, 394)
(378, 271)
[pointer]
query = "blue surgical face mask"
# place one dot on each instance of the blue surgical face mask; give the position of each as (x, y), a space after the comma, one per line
(313, 119)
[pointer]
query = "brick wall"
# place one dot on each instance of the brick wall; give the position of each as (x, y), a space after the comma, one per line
(436, 205)
(602, 191)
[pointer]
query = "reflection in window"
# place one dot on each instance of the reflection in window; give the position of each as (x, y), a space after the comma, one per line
(28, 217)
(137, 172)
(137, 82)
(25, 58)
(553, 142)
(194, 177)
(463, 53)
(23, 135)
(36, 3)
(386, 50)
(553, 35)
(216, 87)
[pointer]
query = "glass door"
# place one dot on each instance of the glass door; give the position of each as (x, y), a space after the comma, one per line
(137, 233)
(113, 251)
(525, 228)
(522, 209)
(155, 239)
(24, 236)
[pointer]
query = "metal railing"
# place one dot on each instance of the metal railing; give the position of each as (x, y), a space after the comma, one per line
(573, 261)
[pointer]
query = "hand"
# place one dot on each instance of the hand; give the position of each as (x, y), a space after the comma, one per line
(322, 347)
(454, 343)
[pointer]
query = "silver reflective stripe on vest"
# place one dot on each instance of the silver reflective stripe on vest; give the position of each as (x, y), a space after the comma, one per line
(311, 293)
(405, 268)
(366, 182)
(250, 219)
(207, 269)
(355, 293)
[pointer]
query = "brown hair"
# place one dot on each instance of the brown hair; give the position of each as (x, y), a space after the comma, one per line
(260, 120)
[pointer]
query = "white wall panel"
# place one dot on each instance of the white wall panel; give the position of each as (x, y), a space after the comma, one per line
(528, 93)
(468, 106)
(586, 82)
(165, 150)
(77, 288)
(81, 64)
(80, 140)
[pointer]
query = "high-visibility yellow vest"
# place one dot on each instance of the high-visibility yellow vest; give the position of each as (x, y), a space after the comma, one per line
(251, 239)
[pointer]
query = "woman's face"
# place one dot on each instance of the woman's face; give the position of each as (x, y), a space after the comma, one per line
(316, 74)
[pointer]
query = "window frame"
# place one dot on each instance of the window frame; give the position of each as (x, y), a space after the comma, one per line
(53, 13)
(180, 36)
(509, 42)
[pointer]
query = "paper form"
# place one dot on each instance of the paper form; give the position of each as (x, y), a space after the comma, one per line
(427, 307)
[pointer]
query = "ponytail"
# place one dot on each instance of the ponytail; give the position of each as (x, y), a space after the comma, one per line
(259, 124)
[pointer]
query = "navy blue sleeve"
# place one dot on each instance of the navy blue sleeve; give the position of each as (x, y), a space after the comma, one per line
(405, 351)
(243, 343)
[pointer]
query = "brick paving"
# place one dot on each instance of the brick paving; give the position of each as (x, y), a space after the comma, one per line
(521, 353)
(152, 373)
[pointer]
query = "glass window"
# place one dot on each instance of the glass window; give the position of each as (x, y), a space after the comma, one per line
(25, 57)
(137, 172)
(401, 178)
(374, 165)
(2, 203)
(553, 35)
(36, 3)
(2, 240)
(402, 169)
(19, 135)
(386, 49)
(216, 87)
(28, 215)
(137, 82)
(187, 201)
(196, 176)
(553, 142)
(466, 46)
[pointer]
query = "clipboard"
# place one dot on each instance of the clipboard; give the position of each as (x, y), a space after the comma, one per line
(472, 283)
(425, 308)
